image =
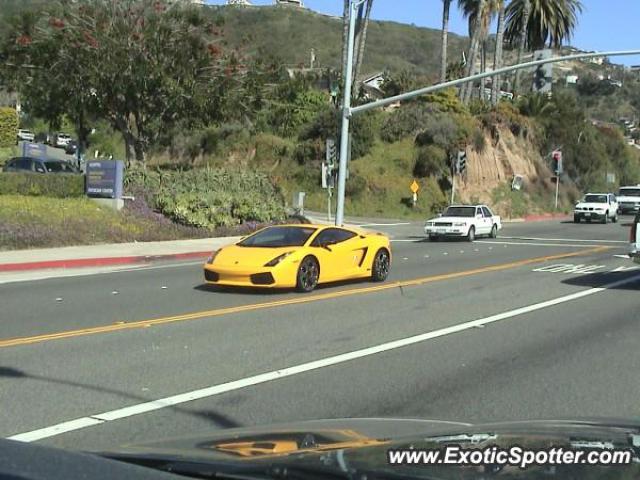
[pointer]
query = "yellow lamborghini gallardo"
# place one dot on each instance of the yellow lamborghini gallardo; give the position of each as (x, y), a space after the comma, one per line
(300, 256)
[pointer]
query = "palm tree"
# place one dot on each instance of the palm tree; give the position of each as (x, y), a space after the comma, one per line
(345, 32)
(479, 13)
(446, 6)
(534, 24)
(361, 41)
(497, 58)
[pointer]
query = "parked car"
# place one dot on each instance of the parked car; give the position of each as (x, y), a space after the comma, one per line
(596, 206)
(629, 199)
(466, 221)
(60, 140)
(71, 148)
(38, 165)
(25, 135)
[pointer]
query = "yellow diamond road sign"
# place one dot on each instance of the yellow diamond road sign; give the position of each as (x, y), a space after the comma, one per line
(414, 187)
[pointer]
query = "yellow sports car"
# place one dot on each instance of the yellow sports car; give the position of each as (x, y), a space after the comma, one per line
(300, 256)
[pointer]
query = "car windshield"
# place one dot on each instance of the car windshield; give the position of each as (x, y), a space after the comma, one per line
(460, 212)
(595, 199)
(279, 237)
(629, 192)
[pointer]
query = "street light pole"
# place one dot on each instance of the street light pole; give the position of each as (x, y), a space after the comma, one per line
(346, 114)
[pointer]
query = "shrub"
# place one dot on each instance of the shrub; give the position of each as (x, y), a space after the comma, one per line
(355, 186)
(8, 127)
(210, 198)
(59, 186)
(430, 160)
(406, 121)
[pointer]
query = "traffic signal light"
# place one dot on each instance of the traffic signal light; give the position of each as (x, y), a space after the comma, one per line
(461, 162)
(539, 79)
(557, 162)
(331, 151)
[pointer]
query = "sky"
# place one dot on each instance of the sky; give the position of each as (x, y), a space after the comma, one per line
(604, 25)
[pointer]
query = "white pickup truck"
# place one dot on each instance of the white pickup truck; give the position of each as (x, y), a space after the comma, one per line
(629, 199)
(466, 221)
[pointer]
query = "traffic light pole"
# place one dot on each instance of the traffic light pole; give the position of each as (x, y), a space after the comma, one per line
(346, 113)
(557, 188)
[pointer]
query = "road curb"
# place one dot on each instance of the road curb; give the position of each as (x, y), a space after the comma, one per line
(546, 216)
(100, 262)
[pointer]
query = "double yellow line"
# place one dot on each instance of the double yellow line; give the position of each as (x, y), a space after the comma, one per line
(119, 326)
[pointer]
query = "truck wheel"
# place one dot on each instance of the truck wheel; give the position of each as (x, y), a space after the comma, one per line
(605, 220)
(494, 232)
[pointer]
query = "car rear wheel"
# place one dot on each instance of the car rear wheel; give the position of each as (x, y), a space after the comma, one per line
(615, 218)
(433, 238)
(381, 264)
(471, 236)
(494, 231)
(308, 274)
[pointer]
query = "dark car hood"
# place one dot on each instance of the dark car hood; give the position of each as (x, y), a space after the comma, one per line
(312, 438)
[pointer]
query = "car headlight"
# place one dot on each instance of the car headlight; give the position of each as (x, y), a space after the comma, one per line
(277, 260)
(460, 224)
(429, 224)
(213, 256)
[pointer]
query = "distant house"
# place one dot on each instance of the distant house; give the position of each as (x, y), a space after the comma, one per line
(295, 3)
(372, 86)
(572, 79)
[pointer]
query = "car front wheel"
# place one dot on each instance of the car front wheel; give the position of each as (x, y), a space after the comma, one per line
(308, 274)
(494, 231)
(381, 264)
(471, 236)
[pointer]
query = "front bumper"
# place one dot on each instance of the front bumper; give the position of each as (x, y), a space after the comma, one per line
(589, 215)
(628, 208)
(446, 231)
(260, 277)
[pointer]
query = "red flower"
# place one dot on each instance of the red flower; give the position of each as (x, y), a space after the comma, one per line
(23, 40)
(56, 23)
(214, 50)
(90, 39)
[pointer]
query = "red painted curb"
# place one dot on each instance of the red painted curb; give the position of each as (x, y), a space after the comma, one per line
(546, 216)
(98, 262)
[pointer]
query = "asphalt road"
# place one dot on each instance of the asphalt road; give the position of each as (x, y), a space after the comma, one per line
(540, 323)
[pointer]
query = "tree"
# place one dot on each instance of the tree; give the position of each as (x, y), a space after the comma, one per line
(446, 7)
(534, 24)
(144, 65)
(497, 58)
(361, 41)
(479, 13)
(550, 22)
(521, 39)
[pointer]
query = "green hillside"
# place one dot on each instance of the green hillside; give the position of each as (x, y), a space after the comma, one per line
(290, 33)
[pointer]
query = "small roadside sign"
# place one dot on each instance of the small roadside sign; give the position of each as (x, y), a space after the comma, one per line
(414, 187)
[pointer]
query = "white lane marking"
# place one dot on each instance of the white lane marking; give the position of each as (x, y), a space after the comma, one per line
(19, 277)
(625, 269)
(215, 390)
(572, 245)
(622, 256)
(563, 239)
(412, 240)
(569, 268)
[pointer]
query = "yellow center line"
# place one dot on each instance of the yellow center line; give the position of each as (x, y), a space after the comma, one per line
(118, 326)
